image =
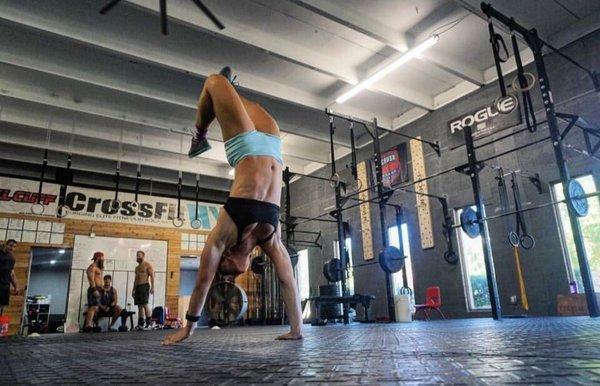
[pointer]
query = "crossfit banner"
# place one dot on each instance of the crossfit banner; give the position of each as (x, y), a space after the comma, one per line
(17, 196)
(484, 121)
(394, 166)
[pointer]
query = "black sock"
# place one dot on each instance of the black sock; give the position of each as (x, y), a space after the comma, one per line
(141, 322)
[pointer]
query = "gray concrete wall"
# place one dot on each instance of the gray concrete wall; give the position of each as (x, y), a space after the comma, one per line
(544, 266)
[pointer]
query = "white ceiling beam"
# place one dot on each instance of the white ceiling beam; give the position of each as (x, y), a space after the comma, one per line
(284, 48)
(37, 112)
(450, 65)
(454, 93)
(408, 117)
(124, 40)
(359, 22)
(372, 29)
(575, 31)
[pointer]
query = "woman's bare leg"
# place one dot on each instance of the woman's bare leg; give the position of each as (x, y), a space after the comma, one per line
(219, 100)
(262, 120)
(278, 254)
(220, 238)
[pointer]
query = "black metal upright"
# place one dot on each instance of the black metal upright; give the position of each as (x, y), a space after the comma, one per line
(289, 223)
(382, 207)
(563, 170)
(536, 44)
(490, 272)
(340, 221)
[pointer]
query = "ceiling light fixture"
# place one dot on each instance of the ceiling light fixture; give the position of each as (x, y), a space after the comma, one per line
(408, 55)
(52, 262)
(61, 251)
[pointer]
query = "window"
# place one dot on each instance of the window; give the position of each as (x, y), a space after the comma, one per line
(590, 227)
(336, 255)
(303, 279)
(394, 240)
(473, 270)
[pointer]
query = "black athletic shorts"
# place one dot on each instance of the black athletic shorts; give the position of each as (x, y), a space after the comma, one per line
(142, 293)
(92, 300)
(4, 296)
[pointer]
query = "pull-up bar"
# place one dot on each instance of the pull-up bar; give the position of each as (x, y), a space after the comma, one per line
(367, 124)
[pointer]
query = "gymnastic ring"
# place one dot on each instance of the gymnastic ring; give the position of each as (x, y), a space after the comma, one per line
(38, 209)
(530, 82)
(177, 222)
(513, 239)
(527, 242)
(62, 211)
(498, 100)
(115, 204)
(135, 206)
(334, 180)
(196, 224)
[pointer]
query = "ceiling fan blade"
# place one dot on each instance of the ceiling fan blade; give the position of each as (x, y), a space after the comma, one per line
(209, 14)
(109, 6)
(163, 17)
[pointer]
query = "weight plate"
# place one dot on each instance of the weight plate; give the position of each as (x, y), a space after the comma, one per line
(469, 222)
(576, 200)
(227, 303)
(332, 270)
(391, 260)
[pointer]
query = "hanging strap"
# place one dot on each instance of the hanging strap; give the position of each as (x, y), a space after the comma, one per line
(528, 111)
(496, 40)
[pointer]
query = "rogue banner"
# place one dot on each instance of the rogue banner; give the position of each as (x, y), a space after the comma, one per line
(484, 121)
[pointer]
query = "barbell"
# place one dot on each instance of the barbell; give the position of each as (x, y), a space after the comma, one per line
(576, 201)
(390, 260)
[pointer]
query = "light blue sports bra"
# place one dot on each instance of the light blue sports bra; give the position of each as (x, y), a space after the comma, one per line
(253, 143)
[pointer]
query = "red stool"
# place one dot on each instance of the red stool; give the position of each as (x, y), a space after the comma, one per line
(433, 301)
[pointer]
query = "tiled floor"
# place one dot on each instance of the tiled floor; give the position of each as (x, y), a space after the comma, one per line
(476, 351)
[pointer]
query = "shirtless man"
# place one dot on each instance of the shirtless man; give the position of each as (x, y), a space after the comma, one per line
(250, 216)
(94, 292)
(108, 302)
(143, 287)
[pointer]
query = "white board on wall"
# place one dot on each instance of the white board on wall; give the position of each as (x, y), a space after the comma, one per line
(120, 263)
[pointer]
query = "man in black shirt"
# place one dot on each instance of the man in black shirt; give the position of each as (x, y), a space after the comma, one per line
(7, 273)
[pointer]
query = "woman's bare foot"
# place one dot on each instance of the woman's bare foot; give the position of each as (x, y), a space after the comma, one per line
(290, 336)
(176, 337)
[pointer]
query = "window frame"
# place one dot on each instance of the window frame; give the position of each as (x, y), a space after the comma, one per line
(467, 288)
(410, 277)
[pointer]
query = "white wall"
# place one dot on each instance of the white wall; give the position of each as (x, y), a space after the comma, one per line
(46, 280)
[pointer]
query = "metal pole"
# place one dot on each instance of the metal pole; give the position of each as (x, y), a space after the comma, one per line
(382, 205)
(289, 227)
(584, 267)
(340, 222)
(473, 171)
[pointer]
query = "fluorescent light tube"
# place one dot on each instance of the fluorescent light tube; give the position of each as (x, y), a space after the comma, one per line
(408, 55)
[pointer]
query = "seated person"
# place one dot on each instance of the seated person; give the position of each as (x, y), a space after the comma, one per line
(108, 303)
